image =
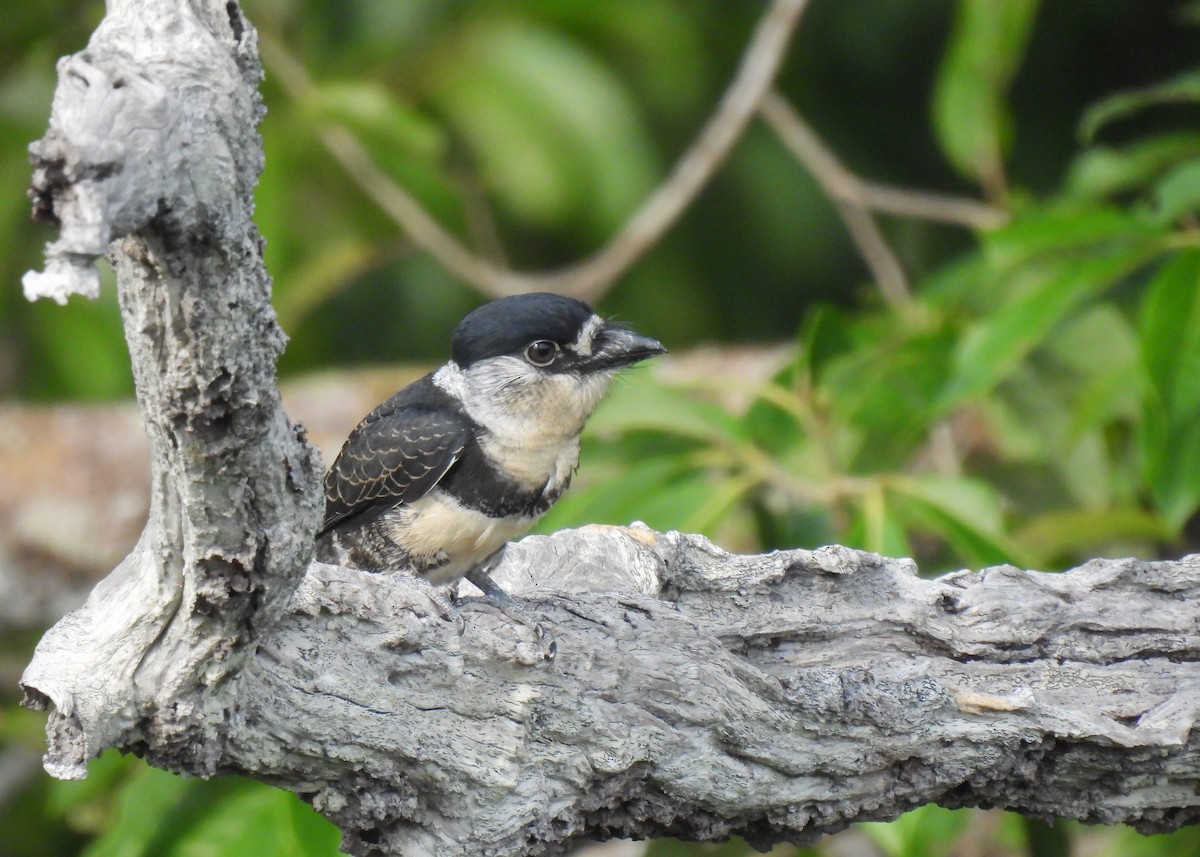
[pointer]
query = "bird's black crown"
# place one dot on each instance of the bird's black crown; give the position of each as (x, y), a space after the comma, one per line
(509, 324)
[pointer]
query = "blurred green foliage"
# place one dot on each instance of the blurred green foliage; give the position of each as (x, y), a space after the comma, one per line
(1035, 402)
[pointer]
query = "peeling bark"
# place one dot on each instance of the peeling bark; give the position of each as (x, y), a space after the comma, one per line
(152, 153)
(641, 684)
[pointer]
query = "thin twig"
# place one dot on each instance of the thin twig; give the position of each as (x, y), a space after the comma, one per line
(926, 205)
(855, 197)
(843, 188)
(594, 275)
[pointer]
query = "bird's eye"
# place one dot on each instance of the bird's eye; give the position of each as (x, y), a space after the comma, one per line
(542, 352)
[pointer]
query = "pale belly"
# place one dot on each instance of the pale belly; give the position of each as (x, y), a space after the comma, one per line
(445, 540)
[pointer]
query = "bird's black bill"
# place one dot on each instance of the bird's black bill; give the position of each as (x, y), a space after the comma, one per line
(617, 346)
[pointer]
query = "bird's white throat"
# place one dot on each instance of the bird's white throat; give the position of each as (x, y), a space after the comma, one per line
(531, 419)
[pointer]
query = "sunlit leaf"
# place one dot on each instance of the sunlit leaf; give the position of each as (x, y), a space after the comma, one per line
(1065, 230)
(555, 134)
(1178, 193)
(1183, 89)
(962, 512)
(163, 815)
(153, 809)
(995, 344)
(1102, 171)
(970, 111)
(262, 821)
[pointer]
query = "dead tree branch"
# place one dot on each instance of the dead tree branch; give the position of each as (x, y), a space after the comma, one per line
(778, 697)
(153, 152)
(657, 685)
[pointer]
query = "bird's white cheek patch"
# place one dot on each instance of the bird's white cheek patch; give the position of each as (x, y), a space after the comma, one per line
(585, 342)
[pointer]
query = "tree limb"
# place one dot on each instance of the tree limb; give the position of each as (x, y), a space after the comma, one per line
(153, 146)
(660, 686)
(643, 684)
(778, 697)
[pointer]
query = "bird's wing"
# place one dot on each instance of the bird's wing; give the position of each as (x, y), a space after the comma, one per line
(393, 459)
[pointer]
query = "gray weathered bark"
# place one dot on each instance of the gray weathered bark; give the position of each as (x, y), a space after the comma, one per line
(153, 153)
(647, 683)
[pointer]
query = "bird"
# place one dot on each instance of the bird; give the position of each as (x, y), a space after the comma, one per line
(436, 480)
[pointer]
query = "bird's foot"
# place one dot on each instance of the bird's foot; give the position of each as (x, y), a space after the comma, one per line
(517, 611)
(481, 576)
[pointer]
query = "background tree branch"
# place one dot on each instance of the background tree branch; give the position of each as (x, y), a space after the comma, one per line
(590, 277)
(658, 685)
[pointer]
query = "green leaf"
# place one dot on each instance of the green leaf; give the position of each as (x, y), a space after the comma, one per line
(1169, 333)
(887, 393)
(962, 512)
(667, 495)
(828, 333)
(876, 526)
(638, 403)
(1058, 230)
(556, 135)
(86, 804)
(370, 109)
(163, 815)
(956, 284)
(263, 821)
(1183, 89)
(80, 350)
(929, 831)
(777, 417)
(1178, 193)
(1076, 533)
(1169, 432)
(970, 113)
(1098, 348)
(662, 47)
(151, 806)
(1103, 171)
(995, 345)
(630, 494)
